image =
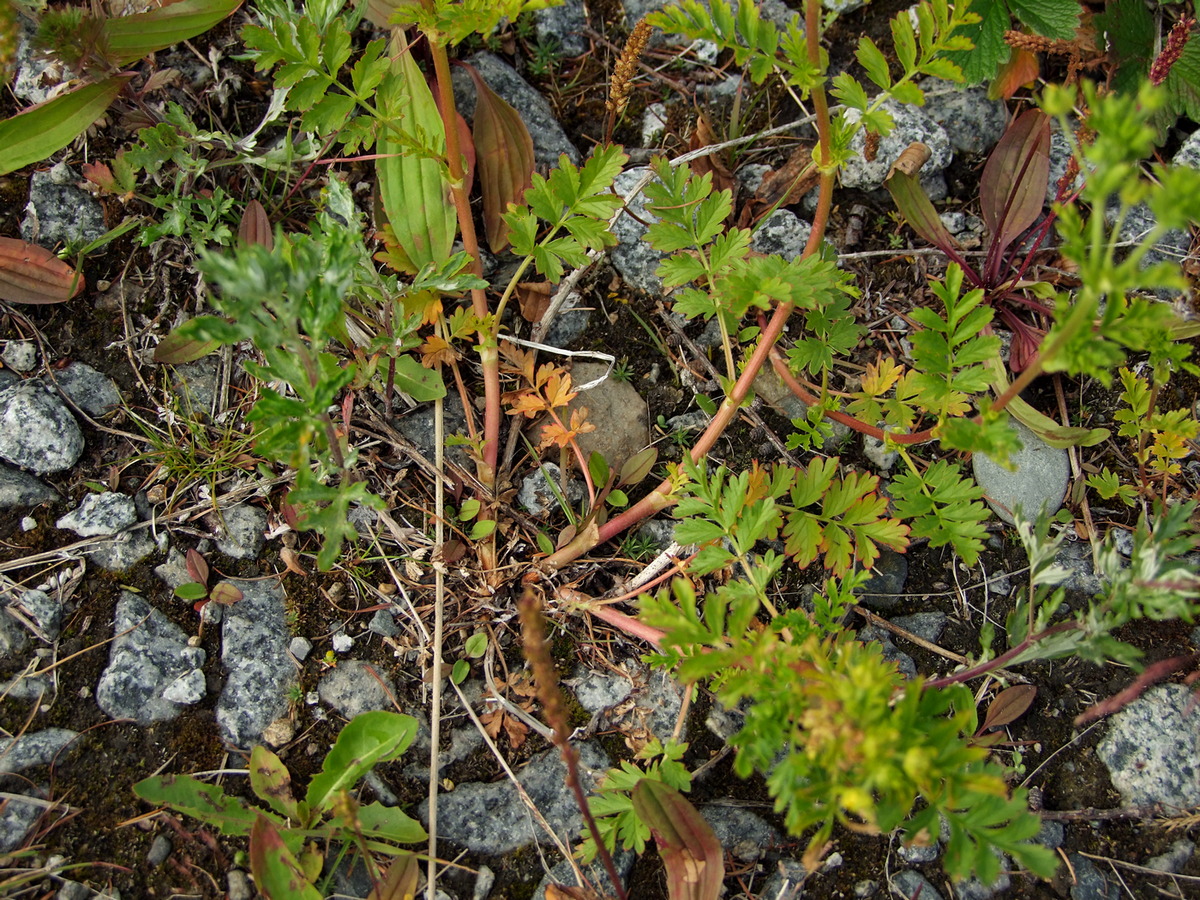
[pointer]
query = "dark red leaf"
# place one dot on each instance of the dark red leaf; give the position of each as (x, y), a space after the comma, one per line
(505, 156)
(1012, 189)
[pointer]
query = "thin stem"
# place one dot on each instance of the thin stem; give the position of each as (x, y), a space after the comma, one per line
(991, 665)
(439, 607)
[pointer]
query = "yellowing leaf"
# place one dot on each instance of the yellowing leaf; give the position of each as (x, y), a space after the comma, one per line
(881, 376)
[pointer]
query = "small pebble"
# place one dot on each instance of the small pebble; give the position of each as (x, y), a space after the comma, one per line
(28, 523)
(239, 885)
(300, 648)
(160, 849)
(342, 642)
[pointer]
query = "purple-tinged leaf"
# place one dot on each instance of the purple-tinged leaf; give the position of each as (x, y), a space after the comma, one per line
(505, 157)
(255, 227)
(688, 846)
(1012, 189)
(32, 274)
(197, 567)
(275, 869)
(1009, 705)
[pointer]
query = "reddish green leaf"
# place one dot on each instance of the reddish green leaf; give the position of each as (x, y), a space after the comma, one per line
(39, 131)
(912, 201)
(1021, 69)
(687, 844)
(197, 567)
(1009, 706)
(638, 466)
(129, 38)
(505, 155)
(255, 227)
(225, 593)
(176, 349)
(275, 869)
(32, 274)
(1012, 189)
(412, 188)
(271, 781)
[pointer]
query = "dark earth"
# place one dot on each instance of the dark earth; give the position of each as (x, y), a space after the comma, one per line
(109, 831)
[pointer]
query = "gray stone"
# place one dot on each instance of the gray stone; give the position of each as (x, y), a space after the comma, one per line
(300, 647)
(254, 641)
(37, 432)
(174, 571)
(491, 819)
(148, 654)
(1076, 559)
(783, 233)
(549, 139)
(1090, 883)
(37, 74)
(59, 212)
(418, 427)
(571, 322)
(354, 687)
(633, 256)
(919, 854)
(886, 585)
(563, 25)
(17, 817)
(1188, 153)
(1174, 859)
(1060, 156)
(1152, 749)
(1171, 248)
(1038, 483)
(974, 889)
(841, 7)
(31, 688)
(741, 832)
(122, 551)
(562, 873)
(240, 530)
(866, 888)
(662, 699)
(73, 890)
(484, 880)
(912, 124)
(879, 454)
(540, 489)
(38, 748)
(188, 688)
(13, 636)
(383, 623)
(8, 379)
(913, 886)
(972, 122)
(19, 488)
(926, 625)
(195, 386)
(597, 691)
(618, 412)
(239, 885)
(20, 356)
(1122, 539)
(771, 389)
(45, 611)
(160, 849)
(93, 392)
(1051, 834)
(654, 124)
(99, 515)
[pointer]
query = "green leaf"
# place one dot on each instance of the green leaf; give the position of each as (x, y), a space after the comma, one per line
(598, 469)
(130, 38)
(1056, 19)
(191, 591)
(618, 499)
(367, 739)
(206, 802)
(1128, 29)
(981, 63)
(411, 186)
(871, 58)
(482, 529)
(422, 384)
(276, 872)
(43, 130)
(476, 645)
(461, 670)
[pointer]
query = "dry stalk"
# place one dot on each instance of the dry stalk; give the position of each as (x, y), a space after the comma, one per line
(435, 710)
(545, 678)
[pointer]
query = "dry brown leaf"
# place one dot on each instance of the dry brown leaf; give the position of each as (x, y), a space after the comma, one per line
(255, 227)
(291, 559)
(534, 298)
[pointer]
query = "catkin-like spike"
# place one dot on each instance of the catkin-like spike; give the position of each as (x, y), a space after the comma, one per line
(1034, 43)
(1172, 50)
(622, 79)
(545, 678)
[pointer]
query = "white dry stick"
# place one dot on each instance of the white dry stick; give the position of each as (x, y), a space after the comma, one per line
(435, 711)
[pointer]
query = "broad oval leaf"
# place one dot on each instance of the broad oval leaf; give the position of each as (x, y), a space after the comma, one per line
(638, 466)
(271, 781)
(197, 566)
(129, 38)
(225, 593)
(276, 871)
(1012, 189)
(504, 153)
(32, 274)
(1009, 705)
(412, 188)
(39, 131)
(418, 382)
(367, 739)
